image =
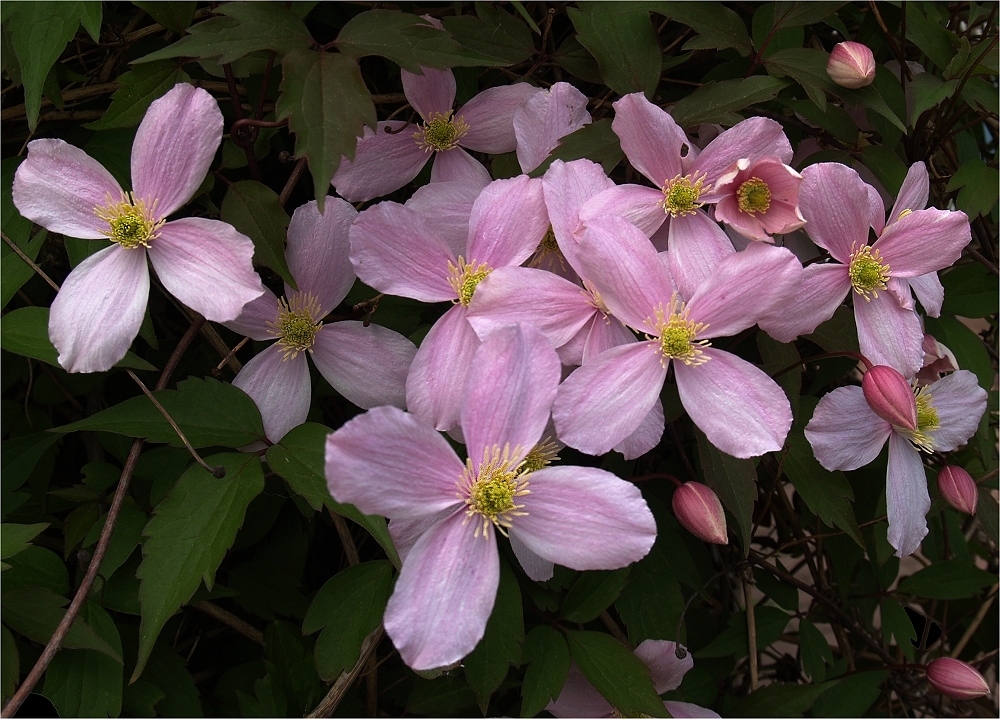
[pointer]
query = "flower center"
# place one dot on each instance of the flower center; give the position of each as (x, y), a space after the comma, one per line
(492, 492)
(754, 196)
(131, 222)
(296, 325)
(466, 277)
(541, 456)
(547, 250)
(928, 422)
(868, 272)
(677, 333)
(440, 133)
(680, 196)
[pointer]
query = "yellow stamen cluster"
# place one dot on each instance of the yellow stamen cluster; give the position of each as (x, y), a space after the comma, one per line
(131, 223)
(680, 195)
(492, 492)
(466, 277)
(677, 333)
(928, 422)
(594, 297)
(541, 456)
(297, 323)
(753, 196)
(440, 133)
(547, 248)
(868, 272)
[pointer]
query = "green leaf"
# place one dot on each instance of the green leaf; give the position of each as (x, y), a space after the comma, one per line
(807, 67)
(37, 566)
(970, 290)
(290, 667)
(853, 695)
(711, 102)
(620, 36)
(734, 480)
(175, 16)
(14, 271)
(575, 59)
(347, 608)
(15, 538)
(834, 119)
(896, 623)
(19, 456)
(718, 27)
(928, 91)
(495, 34)
(136, 91)
(927, 34)
(254, 210)
(596, 141)
(796, 14)
(827, 494)
(784, 595)
(547, 655)
(186, 539)
(988, 514)
(780, 700)
(966, 344)
(486, 667)
(837, 334)
(327, 105)
(950, 579)
(592, 593)
(734, 640)
(870, 97)
(124, 539)
(617, 673)
(978, 184)
(651, 604)
(816, 652)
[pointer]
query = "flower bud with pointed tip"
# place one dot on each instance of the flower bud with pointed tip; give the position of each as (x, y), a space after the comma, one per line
(890, 396)
(851, 65)
(958, 489)
(956, 679)
(698, 508)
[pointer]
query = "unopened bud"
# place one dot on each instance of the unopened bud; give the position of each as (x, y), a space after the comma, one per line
(700, 511)
(958, 489)
(851, 65)
(890, 396)
(956, 679)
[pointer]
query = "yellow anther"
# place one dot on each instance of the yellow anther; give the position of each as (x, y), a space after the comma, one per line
(868, 272)
(928, 422)
(466, 277)
(492, 491)
(131, 223)
(754, 196)
(680, 195)
(440, 133)
(296, 325)
(677, 334)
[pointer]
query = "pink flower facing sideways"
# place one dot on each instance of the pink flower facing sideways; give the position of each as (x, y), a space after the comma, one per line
(392, 463)
(206, 264)
(367, 365)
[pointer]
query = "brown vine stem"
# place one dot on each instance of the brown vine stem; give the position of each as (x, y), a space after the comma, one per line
(328, 705)
(38, 270)
(230, 620)
(751, 634)
(977, 620)
(293, 180)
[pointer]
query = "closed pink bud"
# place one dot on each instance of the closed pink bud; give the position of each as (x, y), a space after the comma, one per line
(956, 679)
(890, 397)
(700, 511)
(958, 489)
(851, 65)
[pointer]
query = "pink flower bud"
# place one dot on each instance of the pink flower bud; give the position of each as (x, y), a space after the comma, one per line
(956, 679)
(851, 65)
(890, 397)
(700, 511)
(958, 489)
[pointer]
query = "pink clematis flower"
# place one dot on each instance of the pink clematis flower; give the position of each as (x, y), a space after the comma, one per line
(394, 154)
(760, 198)
(391, 463)
(544, 119)
(206, 264)
(846, 433)
(579, 698)
(367, 365)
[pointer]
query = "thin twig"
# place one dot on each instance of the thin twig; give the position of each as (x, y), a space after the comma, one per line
(976, 621)
(346, 539)
(232, 353)
(751, 634)
(612, 626)
(328, 705)
(230, 620)
(38, 270)
(293, 180)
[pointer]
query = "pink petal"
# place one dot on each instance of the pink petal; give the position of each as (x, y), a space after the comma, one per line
(960, 403)
(406, 532)
(434, 387)
(97, 313)
(367, 365)
(457, 165)
(446, 208)
(844, 432)
(651, 140)
(490, 116)
(388, 462)
(545, 118)
(889, 334)
(929, 291)
(751, 226)
(567, 186)
(642, 206)
(508, 222)
(607, 399)
(605, 333)
(584, 518)
(174, 147)
(444, 595)
(58, 186)
(431, 93)
(696, 247)
(822, 291)
(739, 408)
(537, 569)
(914, 192)
(253, 320)
(834, 201)
(687, 710)
(509, 392)
(782, 218)
(753, 138)
(579, 698)
(395, 251)
(318, 251)
(280, 388)
(876, 208)
(666, 670)
(646, 436)
(906, 499)
(383, 162)
(206, 264)
(924, 241)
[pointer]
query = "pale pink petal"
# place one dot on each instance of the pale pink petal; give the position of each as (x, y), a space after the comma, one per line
(929, 291)
(537, 569)
(753, 138)
(783, 183)
(318, 251)
(687, 710)
(567, 186)
(367, 365)
(388, 462)
(509, 392)
(607, 399)
(822, 291)
(444, 595)
(696, 246)
(395, 251)
(642, 206)
(434, 387)
(844, 432)
(579, 698)
(665, 669)
(253, 321)
(457, 165)
(605, 333)
(97, 313)
(383, 162)
(446, 208)
(431, 93)
(750, 226)
(960, 403)
(876, 208)
(650, 138)
(490, 116)
(58, 186)
(584, 518)
(834, 201)
(174, 147)
(889, 334)
(739, 408)
(924, 241)
(906, 499)
(646, 436)
(406, 532)
(207, 265)
(782, 218)
(279, 387)
(508, 222)
(914, 192)
(546, 117)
